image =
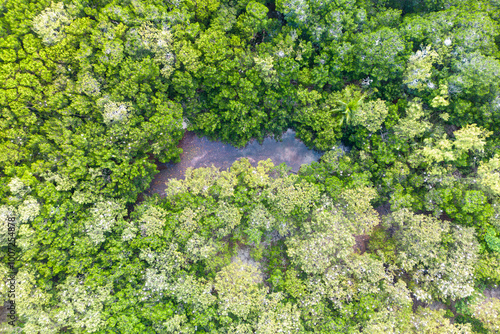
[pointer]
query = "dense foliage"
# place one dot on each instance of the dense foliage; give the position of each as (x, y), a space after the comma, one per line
(94, 93)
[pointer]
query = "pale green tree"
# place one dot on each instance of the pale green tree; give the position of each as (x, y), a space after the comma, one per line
(265, 66)
(438, 150)
(353, 277)
(371, 115)
(418, 71)
(240, 328)
(17, 187)
(225, 185)
(114, 112)
(328, 237)
(61, 182)
(395, 314)
(32, 304)
(355, 206)
(188, 56)
(238, 290)
(412, 125)
(439, 258)
(189, 221)
(151, 219)
(469, 139)
(193, 291)
(206, 181)
(81, 307)
(259, 221)
(159, 42)
(278, 316)
(169, 261)
(28, 209)
(489, 175)
(229, 217)
(129, 232)
(87, 84)
(429, 321)
(330, 242)
(488, 312)
(104, 215)
(258, 176)
(176, 324)
(287, 195)
(175, 187)
(199, 180)
(50, 24)
(200, 248)
(488, 267)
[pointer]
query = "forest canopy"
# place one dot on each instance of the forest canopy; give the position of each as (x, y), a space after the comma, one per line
(401, 234)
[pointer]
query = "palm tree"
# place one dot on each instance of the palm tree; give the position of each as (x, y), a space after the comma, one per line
(349, 101)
